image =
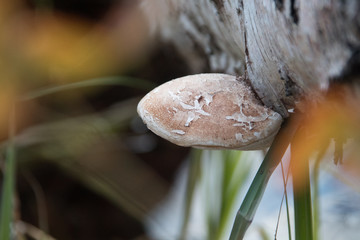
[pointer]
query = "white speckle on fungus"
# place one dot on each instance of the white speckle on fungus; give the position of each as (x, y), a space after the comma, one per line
(257, 134)
(191, 117)
(239, 137)
(180, 132)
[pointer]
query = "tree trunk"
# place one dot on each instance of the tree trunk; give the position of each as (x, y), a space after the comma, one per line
(288, 49)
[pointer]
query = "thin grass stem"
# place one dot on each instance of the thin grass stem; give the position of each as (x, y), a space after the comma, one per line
(302, 193)
(285, 180)
(234, 176)
(278, 218)
(193, 176)
(40, 200)
(253, 197)
(315, 198)
(8, 189)
(115, 80)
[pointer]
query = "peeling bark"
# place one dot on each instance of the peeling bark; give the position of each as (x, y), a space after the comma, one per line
(288, 49)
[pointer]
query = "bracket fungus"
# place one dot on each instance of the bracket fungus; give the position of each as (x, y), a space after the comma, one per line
(212, 111)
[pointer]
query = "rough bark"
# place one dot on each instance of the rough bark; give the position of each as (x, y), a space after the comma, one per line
(288, 49)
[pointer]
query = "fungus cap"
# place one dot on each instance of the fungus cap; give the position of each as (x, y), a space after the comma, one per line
(212, 111)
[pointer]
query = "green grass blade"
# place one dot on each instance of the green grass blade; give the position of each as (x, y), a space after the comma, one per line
(116, 80)
(302, 205)
(299, 164)
(193, 176)
(8, 190)
(315, 198)
(263, 233)
(253, 197)
(249, 205)
(285, 181)
(316, 207)
(235, 173)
